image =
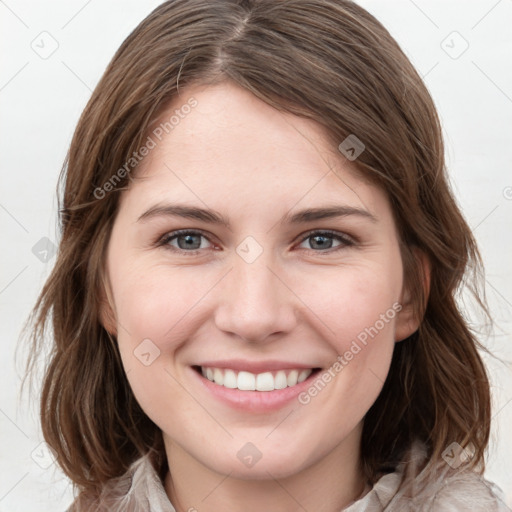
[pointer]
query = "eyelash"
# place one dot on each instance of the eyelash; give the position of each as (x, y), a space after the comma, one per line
(345, 240)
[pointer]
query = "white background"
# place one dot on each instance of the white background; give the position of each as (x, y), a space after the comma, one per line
(41, 100)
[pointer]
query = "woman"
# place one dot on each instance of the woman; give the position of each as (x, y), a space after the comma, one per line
(254, 300)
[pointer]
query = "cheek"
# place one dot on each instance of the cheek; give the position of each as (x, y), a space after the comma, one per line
(356, 303)
(359, 307)
(154, 308)
(156, 302)
(158, 309)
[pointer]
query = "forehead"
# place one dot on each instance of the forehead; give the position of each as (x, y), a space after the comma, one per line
(231, 148)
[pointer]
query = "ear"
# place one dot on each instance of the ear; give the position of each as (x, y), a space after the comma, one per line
(106, 307)
(409, 318)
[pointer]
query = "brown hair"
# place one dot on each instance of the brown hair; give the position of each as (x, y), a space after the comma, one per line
(329, 61)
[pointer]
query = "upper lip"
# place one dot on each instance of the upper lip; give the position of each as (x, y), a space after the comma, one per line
(255, 366)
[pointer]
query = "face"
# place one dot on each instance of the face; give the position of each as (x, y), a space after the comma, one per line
(257, 287)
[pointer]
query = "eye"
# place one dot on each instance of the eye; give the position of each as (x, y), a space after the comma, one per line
(192, 241)
(184, 240)
(322, 241)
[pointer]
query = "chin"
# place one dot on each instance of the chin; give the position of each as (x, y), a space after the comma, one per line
(262, 460)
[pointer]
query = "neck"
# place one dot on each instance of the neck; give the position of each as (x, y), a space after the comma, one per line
(329, 484)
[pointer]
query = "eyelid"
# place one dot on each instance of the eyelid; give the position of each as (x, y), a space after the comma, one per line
(163, 241)
(344, 239)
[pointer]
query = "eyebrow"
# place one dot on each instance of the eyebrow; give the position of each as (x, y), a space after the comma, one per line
(213, 217)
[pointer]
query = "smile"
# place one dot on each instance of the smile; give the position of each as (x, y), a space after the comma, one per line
(247, 381)
(251, 386)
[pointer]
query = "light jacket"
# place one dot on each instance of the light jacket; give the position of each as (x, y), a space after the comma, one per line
(140, 489)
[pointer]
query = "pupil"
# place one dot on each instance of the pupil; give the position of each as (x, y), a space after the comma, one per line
(189, 241)
(321, 241)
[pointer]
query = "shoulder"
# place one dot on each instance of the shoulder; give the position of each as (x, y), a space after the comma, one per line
(444, 489)
(414, 487)
(139, 490)
(467, 490)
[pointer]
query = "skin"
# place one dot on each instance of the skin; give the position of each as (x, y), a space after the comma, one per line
(296, 302)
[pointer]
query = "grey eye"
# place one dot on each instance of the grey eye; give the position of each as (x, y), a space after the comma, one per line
(325, 240)
(187, 241)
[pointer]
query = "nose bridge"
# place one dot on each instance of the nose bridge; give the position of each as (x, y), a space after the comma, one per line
(254, 303)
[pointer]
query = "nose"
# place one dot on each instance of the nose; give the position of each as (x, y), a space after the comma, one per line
(254, 302)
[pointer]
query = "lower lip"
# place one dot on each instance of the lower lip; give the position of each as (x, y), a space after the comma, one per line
(255, 401)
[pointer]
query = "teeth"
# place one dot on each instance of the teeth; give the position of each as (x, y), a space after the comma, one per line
(265, 382)
(218, 376)
(280, 381)
(292, 378)
(303, 375)
(246, 381)
(230, 380)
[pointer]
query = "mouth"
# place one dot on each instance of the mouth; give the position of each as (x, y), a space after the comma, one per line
(267, 381)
